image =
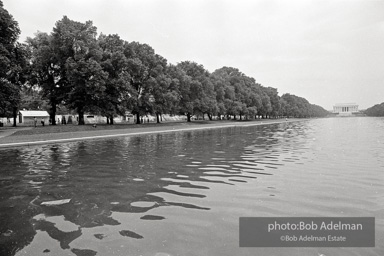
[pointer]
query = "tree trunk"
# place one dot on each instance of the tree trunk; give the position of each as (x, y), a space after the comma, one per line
(81, 116)
(14, 116)
(158, 118)
(188, 117)
(52, 114)
(138, 118)
(240, 117)
(111, 120)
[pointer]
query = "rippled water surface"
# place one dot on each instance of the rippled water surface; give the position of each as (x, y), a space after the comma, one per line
(183, 193)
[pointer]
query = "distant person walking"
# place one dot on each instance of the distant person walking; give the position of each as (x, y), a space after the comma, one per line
(42, 121)
(35, 121)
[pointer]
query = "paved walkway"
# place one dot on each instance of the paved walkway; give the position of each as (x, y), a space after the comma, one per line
(8, 141)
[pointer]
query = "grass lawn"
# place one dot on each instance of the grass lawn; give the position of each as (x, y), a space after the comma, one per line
(89, 127)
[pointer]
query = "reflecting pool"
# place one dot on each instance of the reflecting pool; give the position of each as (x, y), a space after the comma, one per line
(182, 193)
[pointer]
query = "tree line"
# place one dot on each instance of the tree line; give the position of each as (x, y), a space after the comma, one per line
(75, 69)
(376, 110)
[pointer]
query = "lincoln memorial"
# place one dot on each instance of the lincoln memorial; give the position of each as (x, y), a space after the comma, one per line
(345, 109)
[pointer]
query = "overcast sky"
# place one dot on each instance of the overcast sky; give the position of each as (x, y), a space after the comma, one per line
(325, 51)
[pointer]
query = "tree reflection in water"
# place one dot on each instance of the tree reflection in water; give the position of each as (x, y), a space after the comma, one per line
(100, 177)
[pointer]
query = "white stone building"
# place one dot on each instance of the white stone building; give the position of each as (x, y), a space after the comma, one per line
(345, 109)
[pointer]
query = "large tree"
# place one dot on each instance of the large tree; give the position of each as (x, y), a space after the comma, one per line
(46, 71)
(145, 68)
(274, 100)
(220, 86)
(183, 85)
(239, 92)
(12, 64)
(79, 57)
(118, 89)
(166, 95)
(200, 96)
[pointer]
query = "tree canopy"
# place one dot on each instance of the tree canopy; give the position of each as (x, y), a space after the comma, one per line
(376, 110)
(12, 64)
(295, 106)
(75, 69)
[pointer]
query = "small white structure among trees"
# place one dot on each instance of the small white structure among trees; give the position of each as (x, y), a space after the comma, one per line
(26, 117)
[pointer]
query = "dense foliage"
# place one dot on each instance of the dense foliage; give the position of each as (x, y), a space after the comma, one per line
(12, 64)
(73, 68)
(295, 106)
(376, 110)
